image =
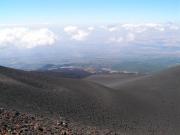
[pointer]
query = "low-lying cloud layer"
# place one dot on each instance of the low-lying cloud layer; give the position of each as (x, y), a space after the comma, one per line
(167, 34)
(26, 37)
(76, 33)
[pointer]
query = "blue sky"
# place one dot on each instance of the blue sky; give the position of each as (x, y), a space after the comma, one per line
(88, 11)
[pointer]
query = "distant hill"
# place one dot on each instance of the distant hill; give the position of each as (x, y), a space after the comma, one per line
(147, 105)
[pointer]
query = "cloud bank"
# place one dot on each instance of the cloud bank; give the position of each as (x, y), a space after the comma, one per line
(26, 37)
(149, 33)
(76, 33)
(164, 34)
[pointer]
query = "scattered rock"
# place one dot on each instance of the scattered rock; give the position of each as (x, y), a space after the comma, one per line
(13, 122)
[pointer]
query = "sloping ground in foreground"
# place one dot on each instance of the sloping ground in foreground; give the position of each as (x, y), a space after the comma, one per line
(149, 105)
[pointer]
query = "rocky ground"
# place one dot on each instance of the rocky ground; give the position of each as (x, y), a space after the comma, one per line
(13, 122)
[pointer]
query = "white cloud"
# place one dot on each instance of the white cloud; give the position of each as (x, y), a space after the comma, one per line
(147, 33)
(91, 28)
(70, 29)
(116, 39)
(144, 34)
(130, 37)
(112, 29)
(26, 37)
(76, 33)
(174, 28)
(139, 28)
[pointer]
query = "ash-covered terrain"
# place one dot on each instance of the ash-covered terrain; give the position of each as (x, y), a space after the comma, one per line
(129, 104)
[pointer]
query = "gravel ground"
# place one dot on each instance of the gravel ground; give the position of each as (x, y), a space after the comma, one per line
(13, 122)
(16, 123)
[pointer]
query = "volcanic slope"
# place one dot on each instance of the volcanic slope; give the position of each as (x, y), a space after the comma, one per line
(149, 105)
(114, 80)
